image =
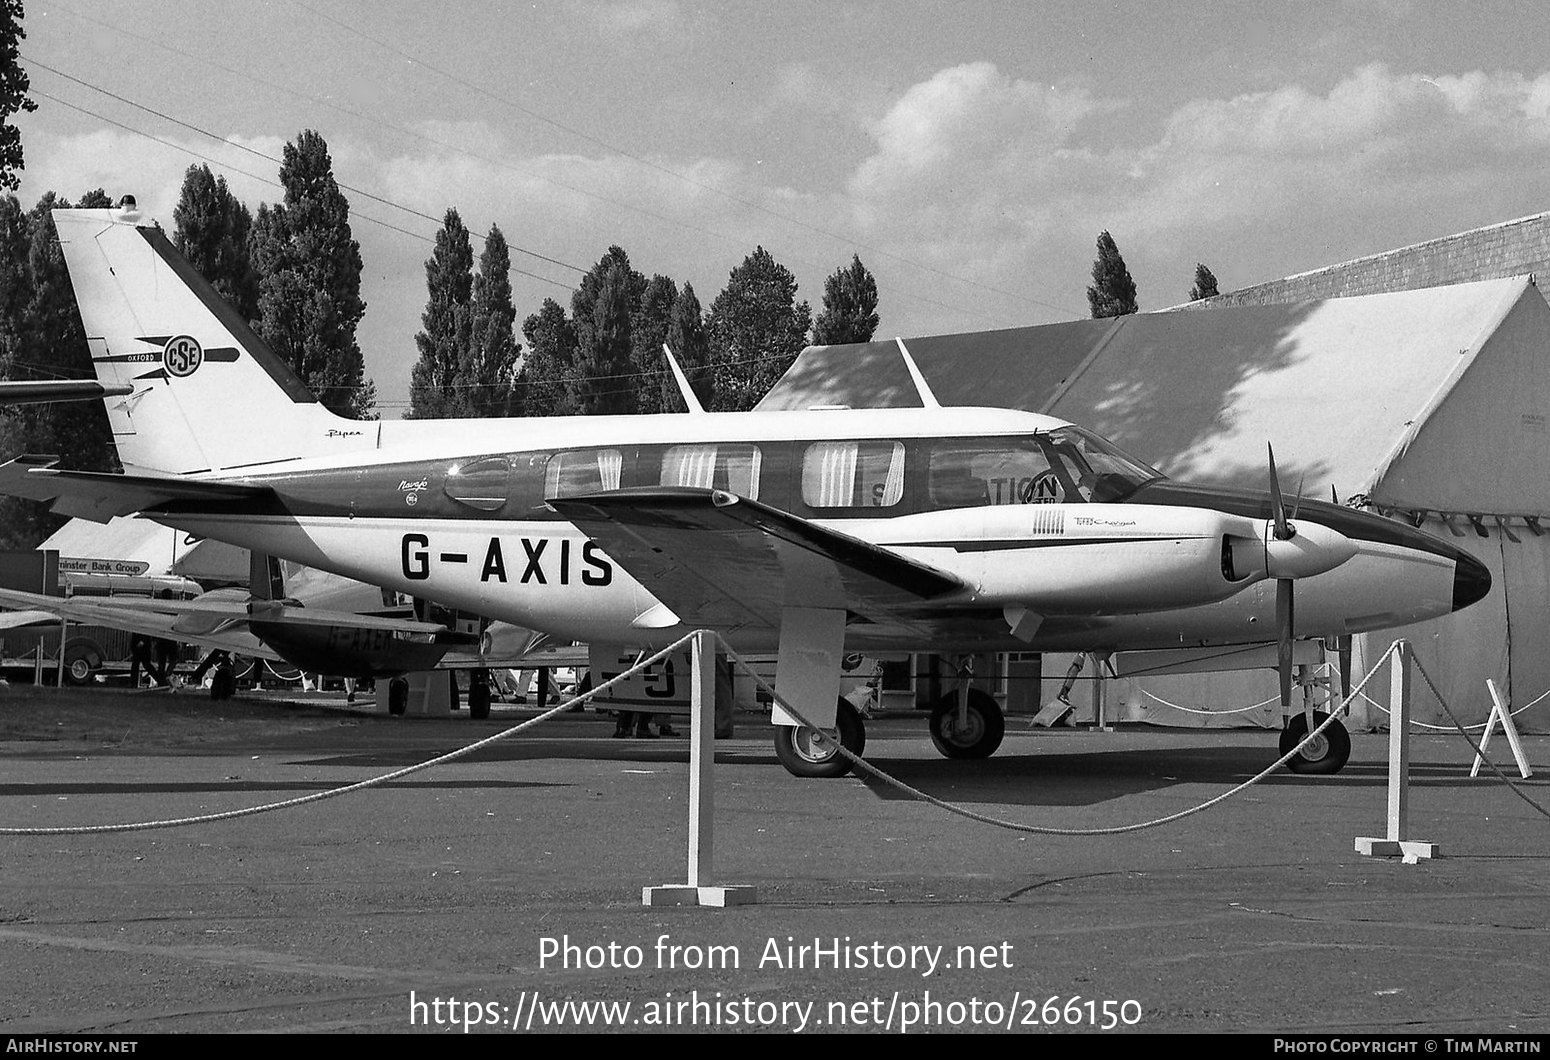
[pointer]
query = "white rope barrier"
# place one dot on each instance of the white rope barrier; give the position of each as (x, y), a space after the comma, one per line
(1016, 826)
(228, 815)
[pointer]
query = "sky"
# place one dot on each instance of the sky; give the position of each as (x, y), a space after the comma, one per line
(969, 152)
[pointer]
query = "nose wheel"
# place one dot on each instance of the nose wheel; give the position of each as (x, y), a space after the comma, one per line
(1326, 754)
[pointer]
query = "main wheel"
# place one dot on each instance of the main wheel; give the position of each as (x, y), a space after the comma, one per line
(809, 752)
(81, 663)
(975, 736)
(1325, 755)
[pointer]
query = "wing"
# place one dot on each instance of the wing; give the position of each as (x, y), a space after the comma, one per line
(725, 562)
(99, 496)
(139, 616)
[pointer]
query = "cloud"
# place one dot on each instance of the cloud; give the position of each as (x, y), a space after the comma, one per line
(634, 18)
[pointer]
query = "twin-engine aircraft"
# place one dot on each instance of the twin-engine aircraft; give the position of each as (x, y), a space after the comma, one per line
(947, 530)
(319, 623)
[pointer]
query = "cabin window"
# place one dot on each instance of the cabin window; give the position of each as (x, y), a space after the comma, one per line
(582, 472)
(853, 474)
(963, 474)
(484, 483)
(734, 468)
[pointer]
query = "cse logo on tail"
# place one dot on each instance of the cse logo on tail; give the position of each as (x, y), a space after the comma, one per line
(182, 355)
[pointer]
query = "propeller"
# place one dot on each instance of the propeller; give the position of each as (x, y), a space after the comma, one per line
(1286, 608)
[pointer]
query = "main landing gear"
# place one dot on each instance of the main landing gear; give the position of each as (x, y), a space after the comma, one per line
(1325, 754)
(814, 753)
(973, 732)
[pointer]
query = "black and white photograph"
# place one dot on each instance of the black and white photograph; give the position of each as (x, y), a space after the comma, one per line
(649, 517)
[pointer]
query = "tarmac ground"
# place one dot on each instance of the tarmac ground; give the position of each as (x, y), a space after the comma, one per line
(503, 891)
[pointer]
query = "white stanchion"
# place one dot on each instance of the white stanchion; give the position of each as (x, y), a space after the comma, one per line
(698, 890)
(1397, 843)
(1500, 715)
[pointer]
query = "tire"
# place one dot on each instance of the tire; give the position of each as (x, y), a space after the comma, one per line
(810, 753)
(479, 695)
(81, 664)
(223, 681)
(398, 696)
(1326, 756)
(978, 737)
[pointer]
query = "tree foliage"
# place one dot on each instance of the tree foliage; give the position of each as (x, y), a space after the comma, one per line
(551, 356)
(489, 378)
(310, 294)
(649, 326)
(849, 306)
(14, 84)
(1205, 284)
(756, 328)
(1112, 292)
(602, 381)
(434, 391)
(211, 229)
(687, 338)
(41, 338)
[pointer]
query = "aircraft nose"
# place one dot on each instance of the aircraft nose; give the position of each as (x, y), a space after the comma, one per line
(1471, 581)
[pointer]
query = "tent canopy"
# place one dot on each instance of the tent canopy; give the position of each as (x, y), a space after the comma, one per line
(1343, 388)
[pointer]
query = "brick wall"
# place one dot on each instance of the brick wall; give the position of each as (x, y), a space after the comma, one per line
(1495, 252)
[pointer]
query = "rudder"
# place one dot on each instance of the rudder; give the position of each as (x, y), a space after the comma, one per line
(209, 393)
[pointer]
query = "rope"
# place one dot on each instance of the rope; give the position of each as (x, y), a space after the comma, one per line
(1456, 726)
(1210, 713)
(142, 826)
(1016, 826)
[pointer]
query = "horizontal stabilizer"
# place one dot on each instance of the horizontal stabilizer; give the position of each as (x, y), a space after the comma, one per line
(99, 495)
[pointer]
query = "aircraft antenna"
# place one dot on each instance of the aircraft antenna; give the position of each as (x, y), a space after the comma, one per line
(927, 398)
(691, 402)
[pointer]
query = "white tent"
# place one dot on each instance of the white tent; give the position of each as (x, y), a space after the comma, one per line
(1427, 403)
(127, 545)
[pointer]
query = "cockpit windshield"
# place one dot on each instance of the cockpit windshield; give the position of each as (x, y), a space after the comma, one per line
(1092, 468)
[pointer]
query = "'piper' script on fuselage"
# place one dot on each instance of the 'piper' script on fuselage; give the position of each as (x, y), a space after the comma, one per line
(519, 560)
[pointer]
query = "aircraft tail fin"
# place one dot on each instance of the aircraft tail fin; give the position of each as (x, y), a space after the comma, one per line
(266, 578)
(209, 393)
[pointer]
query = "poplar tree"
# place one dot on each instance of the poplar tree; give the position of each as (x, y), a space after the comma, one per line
(756, 328)
(849, 306)
(309, 299)
(447, 320)
(489, 377)
(211, 229)
(1112, 292)
(1205, 284)
(602, 382)
(14, 84)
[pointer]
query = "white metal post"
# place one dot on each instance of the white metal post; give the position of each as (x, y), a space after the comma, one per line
(698, 889)
(1398, 841)
(702, 756)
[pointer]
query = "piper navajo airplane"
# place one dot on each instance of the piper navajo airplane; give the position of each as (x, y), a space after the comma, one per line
(949, 530)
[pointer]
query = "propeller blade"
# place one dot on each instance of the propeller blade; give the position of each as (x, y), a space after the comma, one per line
(1277, 502)
(1284, 635)
(1343, 648)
